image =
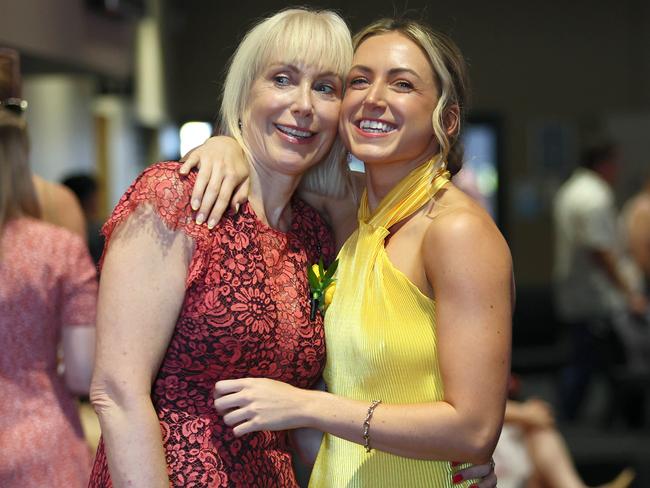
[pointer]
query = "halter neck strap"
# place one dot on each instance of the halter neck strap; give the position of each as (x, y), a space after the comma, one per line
(406, 197)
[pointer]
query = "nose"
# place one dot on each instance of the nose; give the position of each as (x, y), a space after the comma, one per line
(302, 104)
(375, 96)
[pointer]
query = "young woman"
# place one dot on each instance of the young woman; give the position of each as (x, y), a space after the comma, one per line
(418, 333)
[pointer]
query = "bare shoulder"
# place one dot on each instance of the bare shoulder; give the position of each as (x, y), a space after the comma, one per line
(64, 196)
(460, 229)
(59, 205)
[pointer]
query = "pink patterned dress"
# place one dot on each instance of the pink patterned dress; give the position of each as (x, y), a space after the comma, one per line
(245, 313)
(47, 280)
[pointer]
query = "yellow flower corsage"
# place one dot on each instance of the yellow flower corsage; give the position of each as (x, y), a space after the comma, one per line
(321, 286)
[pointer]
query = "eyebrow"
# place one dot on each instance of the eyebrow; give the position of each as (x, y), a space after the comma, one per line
(392, 71)
(295, 69)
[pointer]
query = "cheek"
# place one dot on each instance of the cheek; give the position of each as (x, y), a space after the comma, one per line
(343, 133)
(264, 102)
(348, 104)
(345, 121)
(419, 116)
(329, 117)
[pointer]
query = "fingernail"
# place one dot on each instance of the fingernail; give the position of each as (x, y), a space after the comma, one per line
(195, 204)
(236, 207)
(457, 478)
(200, 218)
(455, 463)
(211, 223)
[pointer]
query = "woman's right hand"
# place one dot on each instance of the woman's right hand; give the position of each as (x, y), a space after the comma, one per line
(223, 177)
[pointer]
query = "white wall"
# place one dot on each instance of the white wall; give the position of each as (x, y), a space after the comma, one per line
(60, 122)
(124, 150)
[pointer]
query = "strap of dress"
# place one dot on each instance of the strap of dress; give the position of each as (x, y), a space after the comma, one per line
(406, 197)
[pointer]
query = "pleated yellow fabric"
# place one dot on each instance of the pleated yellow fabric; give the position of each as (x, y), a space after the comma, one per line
(381, 343)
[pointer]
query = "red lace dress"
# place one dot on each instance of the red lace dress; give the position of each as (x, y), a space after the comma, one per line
(245, 313)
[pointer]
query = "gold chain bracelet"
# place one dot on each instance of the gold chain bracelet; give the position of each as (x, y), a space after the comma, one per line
(366, 425)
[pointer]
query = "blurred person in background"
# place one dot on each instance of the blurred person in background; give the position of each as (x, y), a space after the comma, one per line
(532, 452)
(59, 206)
(47, 299)
(85, 188)
(57, 203)
(636, 229)
(589, 284)
(633, 329)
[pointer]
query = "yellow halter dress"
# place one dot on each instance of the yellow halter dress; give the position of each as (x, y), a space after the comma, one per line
(381, 344)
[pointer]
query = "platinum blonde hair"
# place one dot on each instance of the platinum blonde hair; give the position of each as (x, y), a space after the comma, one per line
(297, 36)
(449, 71)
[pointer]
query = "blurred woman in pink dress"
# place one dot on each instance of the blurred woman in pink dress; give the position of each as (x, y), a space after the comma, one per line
(47, 298)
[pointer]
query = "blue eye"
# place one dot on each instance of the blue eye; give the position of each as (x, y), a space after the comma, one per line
(325, 88)
(281, 80)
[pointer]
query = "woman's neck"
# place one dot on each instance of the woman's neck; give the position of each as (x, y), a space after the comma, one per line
(270, 196)
(381, 178)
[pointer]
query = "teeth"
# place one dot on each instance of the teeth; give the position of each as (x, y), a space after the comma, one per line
(376, 126)
(294, 132)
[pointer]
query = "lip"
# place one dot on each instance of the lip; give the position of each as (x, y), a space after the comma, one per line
(292, 139)
(373, 135)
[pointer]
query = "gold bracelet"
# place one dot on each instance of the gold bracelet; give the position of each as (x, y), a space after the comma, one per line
(366, 425)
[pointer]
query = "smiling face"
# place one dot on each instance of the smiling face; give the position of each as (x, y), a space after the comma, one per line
(391, 93)
(291, 119)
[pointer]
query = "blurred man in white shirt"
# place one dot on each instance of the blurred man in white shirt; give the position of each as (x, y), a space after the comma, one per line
(589, 285)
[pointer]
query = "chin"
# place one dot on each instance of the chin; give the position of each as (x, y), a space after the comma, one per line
(296, 167)
(372, 157)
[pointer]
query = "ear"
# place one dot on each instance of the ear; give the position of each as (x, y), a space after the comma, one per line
(451, 120)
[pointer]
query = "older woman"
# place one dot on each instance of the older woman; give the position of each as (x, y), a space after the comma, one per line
(181, 307)
(418, 333)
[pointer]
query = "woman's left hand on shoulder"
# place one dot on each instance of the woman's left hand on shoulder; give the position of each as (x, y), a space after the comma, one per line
(254, 404)
(223, 177)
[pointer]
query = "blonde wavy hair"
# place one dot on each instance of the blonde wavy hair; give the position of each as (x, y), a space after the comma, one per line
(298, 36)
(449, 71)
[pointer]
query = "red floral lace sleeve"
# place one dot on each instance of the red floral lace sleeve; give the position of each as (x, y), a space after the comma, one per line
(169, 193)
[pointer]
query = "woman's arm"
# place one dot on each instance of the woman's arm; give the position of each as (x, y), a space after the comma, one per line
(78, 357)
(473, 302)
(306, 442)
(223, 177)
(141, 292)
(533, 413)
